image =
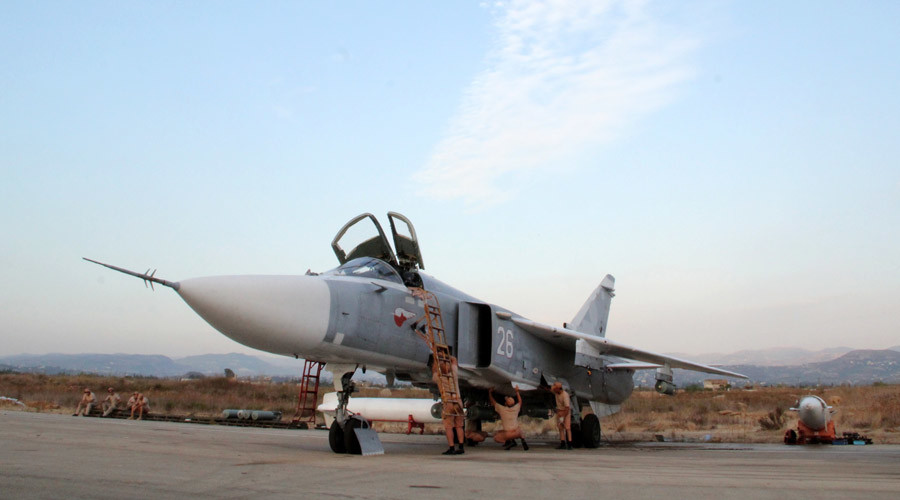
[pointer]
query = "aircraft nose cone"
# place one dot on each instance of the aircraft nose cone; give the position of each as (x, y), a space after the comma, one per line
(280, 314)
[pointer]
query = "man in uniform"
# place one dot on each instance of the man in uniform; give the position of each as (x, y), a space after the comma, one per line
(509, 421)
(111, 402)
(563, 416)
(141, 405)
(131, 401)
(87, 402)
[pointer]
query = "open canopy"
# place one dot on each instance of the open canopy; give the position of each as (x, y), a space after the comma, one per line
(375, 243)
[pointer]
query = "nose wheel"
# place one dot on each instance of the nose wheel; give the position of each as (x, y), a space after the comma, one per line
(347, 428)
(336, 438)
(340, 432)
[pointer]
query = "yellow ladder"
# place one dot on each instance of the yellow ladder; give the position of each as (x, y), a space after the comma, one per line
(434, 337)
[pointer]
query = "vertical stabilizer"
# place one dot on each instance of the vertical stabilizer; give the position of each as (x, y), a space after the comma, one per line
(593, 315)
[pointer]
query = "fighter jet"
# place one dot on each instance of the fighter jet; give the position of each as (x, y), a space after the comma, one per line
(370, 312)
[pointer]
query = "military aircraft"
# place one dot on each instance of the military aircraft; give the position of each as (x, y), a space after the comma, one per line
(365, 314)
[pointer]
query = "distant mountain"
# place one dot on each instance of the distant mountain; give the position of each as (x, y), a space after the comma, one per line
(243, 365)
(105, 364)
(776, 356)
(855, 367)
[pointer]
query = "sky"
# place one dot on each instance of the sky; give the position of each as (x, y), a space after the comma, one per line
(733, 164)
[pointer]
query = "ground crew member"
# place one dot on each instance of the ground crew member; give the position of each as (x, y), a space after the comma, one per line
(563, 416)
(141, 405)
(453, 424)
(87, 402)
(131, 401)
(474, 434)
(509, 421)
(111, 402)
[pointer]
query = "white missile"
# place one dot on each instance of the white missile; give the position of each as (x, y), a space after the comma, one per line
(813, 412)
(423, 411)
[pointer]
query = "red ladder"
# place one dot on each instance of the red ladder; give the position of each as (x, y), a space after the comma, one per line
(309, 393)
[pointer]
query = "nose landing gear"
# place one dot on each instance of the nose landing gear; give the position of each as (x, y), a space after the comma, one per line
(351, 433)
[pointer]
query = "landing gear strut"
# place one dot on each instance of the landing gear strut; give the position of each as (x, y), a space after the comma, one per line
(576, 423)
(585, 428)
(344, 391)
(341, 437)
(346, 430)
(590, 431)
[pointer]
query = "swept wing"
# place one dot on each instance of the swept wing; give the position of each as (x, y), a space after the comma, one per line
(567, 338)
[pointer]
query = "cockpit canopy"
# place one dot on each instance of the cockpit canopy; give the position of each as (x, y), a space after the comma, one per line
(366, 267)
(375, 244)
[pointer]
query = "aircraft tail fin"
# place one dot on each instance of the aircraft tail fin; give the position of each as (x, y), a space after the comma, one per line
(593, 315)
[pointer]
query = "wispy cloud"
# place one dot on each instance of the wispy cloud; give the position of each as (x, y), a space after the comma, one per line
(562, 75)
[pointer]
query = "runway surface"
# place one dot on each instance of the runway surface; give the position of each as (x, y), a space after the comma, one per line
(56, 456)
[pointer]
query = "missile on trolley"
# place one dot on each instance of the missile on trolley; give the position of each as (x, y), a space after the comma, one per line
(423, 411)
(813, 412)
(815, 424)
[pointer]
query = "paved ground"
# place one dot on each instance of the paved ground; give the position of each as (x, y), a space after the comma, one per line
(55, 456)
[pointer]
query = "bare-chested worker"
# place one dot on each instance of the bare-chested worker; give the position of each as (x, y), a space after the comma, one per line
(452, 415)
(87, 402)
(141, 406)
(474, 434)
(111, 402)
(563, 416)
(509, 421)
(473, 437)
(131, 401)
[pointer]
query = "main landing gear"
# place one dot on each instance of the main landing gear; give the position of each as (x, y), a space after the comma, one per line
(585, 428)
(590, 431)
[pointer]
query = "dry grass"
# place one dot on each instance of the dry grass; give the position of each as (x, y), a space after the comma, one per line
(753, 415)
(732, 416)
(195, 398)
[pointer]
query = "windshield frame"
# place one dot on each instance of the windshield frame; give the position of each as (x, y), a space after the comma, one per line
(368, 268)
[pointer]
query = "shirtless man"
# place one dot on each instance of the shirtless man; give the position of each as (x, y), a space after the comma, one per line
(473, 437)
(111, 402)
(87, 402)
(453, 424)
(509, 421)
(563, 416)
(131, 401)
(141, 405)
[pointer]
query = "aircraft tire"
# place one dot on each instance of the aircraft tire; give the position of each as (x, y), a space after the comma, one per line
(590, 431)
(336, 438)
(576, 436)
(351, 442)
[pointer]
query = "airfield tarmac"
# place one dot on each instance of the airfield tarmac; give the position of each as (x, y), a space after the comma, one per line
(56, 456)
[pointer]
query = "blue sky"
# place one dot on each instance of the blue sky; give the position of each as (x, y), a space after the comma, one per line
(733, 164)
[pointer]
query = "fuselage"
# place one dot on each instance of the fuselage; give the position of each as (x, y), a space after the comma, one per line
(363, 313)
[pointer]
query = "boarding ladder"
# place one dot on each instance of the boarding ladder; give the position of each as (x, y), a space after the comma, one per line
(434, 337)
(309, 393)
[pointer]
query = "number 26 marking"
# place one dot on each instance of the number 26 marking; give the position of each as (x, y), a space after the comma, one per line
(506, 346)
